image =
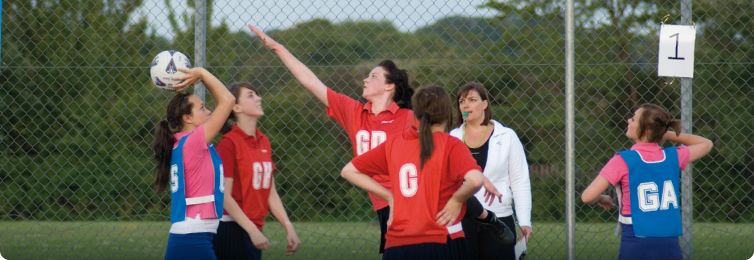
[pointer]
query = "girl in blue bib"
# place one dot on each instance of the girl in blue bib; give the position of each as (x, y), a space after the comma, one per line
(646, 180)
(189, 167)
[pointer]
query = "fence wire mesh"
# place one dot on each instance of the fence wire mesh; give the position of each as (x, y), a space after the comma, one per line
(78, 111)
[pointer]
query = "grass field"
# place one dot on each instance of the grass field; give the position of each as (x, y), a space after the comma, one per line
(349, 240)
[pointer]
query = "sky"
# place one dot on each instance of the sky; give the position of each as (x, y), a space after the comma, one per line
(406, 15)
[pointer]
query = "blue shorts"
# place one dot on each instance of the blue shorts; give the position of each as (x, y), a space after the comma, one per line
(632, 247)
(190, 246)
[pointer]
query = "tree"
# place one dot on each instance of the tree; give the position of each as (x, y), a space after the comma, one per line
(75, 71)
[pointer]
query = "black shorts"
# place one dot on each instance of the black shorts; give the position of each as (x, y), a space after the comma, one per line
(383, 215)
(454, 249)
(233, 242)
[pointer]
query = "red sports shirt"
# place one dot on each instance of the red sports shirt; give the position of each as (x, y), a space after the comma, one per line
(418, 195)
(248, 160)
(366, 130)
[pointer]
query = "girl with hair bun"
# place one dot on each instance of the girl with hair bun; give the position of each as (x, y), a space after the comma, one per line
(646, 180)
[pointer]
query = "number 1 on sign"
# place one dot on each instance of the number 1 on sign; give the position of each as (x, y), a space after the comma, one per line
(675, 57)
(676, 48)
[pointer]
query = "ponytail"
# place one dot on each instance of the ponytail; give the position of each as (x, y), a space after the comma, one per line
(164, 138)
(431, 107)
(163, 150)
(426, 142)
(675, 124)
(399, 78)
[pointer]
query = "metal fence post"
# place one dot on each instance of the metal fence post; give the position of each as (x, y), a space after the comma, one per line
(687, 178)
(1, 31)
(200, 42)
(570, 189)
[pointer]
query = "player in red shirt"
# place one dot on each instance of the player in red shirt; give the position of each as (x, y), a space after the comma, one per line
(434, 175)
(387, 112)
(247, 162)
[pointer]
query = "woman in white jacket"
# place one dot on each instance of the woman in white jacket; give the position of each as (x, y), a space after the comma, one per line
(500, 153)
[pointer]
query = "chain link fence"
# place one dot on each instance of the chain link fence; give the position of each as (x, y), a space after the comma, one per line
(78, 111)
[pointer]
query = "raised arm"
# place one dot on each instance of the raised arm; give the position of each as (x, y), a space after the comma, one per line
(698, 146)
(303, 74)
(223, 98)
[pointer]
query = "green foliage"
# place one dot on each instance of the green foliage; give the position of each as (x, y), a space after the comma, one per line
(78, 110)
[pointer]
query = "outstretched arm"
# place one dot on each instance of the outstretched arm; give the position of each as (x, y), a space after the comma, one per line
(302, 73)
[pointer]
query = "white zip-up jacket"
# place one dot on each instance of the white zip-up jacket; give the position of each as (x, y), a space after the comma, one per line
(507, 169)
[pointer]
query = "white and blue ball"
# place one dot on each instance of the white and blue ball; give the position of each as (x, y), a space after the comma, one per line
(165, 66)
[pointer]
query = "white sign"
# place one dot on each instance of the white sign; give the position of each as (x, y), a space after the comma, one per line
(676, 58)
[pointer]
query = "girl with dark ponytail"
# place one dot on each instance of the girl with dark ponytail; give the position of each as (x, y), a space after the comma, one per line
(164, 138)
(398, 77)
(387, 112)
(431, 111)
(646, 180)
(434, 175)
(188, 163)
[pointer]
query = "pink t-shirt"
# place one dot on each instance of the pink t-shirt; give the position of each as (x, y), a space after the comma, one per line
(198, 172)
(616, 170)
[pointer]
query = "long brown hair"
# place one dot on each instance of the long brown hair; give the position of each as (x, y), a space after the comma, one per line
(431, 106)
(655, 121)
(164, 138)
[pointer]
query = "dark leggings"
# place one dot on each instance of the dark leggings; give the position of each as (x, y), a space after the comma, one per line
(474, 208)
(481, 242)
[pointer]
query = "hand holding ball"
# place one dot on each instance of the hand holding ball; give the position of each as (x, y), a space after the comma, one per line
(165, 71)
